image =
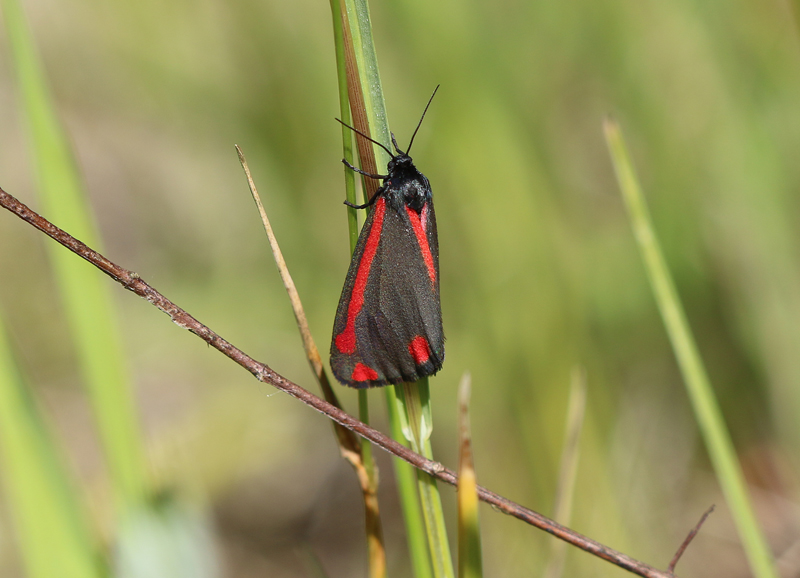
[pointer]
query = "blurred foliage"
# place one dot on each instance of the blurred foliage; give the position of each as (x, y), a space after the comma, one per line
(539, 267)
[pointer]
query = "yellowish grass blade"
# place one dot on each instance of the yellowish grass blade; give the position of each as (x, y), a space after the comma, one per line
(469, 532)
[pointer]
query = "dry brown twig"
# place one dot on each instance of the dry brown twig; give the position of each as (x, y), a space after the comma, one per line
(692, 533)
(131, 281)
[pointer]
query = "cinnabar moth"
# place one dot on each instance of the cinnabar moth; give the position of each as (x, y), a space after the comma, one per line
(388, 326)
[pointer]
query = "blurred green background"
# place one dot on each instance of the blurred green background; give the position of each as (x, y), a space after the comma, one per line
(540, 272)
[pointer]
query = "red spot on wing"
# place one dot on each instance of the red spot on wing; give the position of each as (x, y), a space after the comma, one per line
(419, 350)
(346, 340)
(364, 373)
(420, 225)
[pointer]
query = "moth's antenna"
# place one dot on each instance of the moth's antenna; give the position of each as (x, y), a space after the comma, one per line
(420, 120)
(355, 130)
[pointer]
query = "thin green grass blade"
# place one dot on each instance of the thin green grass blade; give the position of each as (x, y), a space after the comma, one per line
(707, 413)
(51, 532)
(344, 113)
(361, 29)
(86, 298)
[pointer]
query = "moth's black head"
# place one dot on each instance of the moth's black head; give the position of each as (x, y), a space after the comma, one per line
(405, 185)
(401, 169)
(400, 163)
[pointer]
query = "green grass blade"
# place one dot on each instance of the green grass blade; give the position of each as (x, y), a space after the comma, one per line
(361, 29)
(86, 298)
(434, 521)
(344, 113)
(414, 400)
(409, 498)
(51, 532)
(707, 413)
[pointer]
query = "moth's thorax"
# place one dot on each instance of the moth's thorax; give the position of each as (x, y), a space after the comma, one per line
(405, 185)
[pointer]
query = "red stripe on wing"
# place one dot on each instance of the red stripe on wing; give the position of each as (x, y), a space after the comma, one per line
(422, 238)
(346, 340)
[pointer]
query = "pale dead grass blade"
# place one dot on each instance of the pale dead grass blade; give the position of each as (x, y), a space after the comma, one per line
(348, 442)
